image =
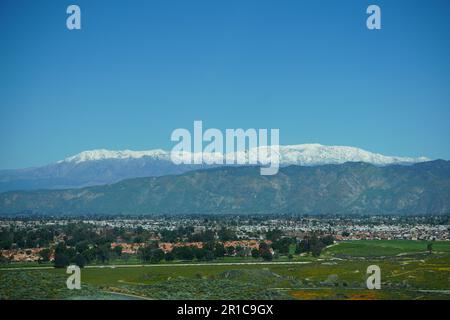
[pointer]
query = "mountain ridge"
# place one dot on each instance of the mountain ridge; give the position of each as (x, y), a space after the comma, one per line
(102, 166)
(301, 154)
(349, 188)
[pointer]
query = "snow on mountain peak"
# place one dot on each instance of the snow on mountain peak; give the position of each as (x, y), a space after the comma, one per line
(314, 154)
(302, 154)
(103, 154)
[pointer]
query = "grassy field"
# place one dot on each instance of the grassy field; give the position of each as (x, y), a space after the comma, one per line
(374, 248)
(408, 271)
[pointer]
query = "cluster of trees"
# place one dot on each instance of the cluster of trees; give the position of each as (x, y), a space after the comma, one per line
(263, 252)
(210, 251)
(314, 244)
(74, 233)
(152, 255)
(82, 243)
(81, 254)
(23, 238)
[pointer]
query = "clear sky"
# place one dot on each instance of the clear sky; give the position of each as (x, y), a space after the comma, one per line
(139, 69)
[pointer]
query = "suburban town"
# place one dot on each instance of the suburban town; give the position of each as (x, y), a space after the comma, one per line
(239, 235)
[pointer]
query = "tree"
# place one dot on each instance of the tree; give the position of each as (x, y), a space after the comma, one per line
(169, 256)
(70, 253)
(313, 244)
(6, 243)
(156, 255)
(204, 236)
(210, 245)
(82, 246)
(327, 240)
(282, 245)
(45, 255)
(241, 251)
(199, 253)
(61, 260)
(303, 245)
(80, 260)
(226, 234)
(267, 256)
(219, 250)
(183, 253)
(230, 251)
(263, 247)
(89, 255)
(316, 249)
(153, 244)
(103, 252)
(60, 248)
(274, 235)
(255, 253)
(209, 255)
(126, 256)
(118, 251)
(264, 251)
(145, 253)
(4, 260)
(168, 235)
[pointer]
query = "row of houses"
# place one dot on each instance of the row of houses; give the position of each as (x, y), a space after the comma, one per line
(25, 255)
(132, 248)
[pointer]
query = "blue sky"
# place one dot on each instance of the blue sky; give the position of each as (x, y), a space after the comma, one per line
(139, 69)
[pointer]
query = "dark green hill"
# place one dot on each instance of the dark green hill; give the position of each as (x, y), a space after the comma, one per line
(350, 188)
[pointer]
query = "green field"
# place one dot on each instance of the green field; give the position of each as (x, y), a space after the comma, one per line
(377, 248)
(408, 271)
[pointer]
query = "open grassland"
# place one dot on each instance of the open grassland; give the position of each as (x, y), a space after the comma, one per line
(408, 271)
(377, 248)
(32, 285)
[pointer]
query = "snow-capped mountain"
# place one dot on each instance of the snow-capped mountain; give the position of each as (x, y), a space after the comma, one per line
(103, 154)
(316, 154)
(302, 154)
(97, 167)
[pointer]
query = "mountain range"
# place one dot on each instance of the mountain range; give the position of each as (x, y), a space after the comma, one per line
(99, 167)
(349, 188)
